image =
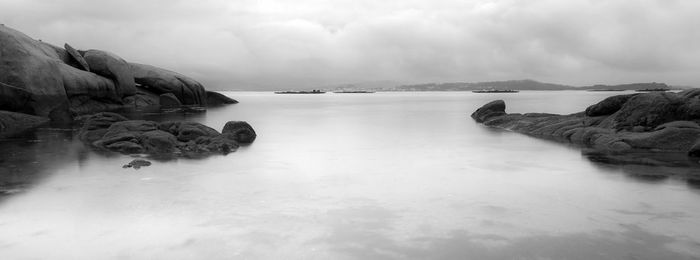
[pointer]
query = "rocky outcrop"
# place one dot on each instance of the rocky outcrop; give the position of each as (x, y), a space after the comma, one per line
(161, 81)
(12, 123)
(218, 99)
(659, 122)
(112, 67)
(41, 79)
(113, 132)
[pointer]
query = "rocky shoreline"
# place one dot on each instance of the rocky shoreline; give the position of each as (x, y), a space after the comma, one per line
(635, 123)
(44, 84)
(41, 83)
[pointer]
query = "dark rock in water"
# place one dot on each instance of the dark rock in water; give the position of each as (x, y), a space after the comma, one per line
(218, 99)
(112, 132)
(492, 109)
(169, 100)
(77, 57)
(137, 163)
(12, 123)
(240, 131)
(161, 81)
(657, 122)
(113, 67)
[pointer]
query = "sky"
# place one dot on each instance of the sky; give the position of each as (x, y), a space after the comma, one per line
(266, 44)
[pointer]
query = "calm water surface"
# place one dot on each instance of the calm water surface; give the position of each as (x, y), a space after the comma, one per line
(349, 176)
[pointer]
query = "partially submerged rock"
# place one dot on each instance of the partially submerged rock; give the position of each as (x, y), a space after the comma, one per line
(137, 164)
(218, 99)
(658, 122)
(112, 132)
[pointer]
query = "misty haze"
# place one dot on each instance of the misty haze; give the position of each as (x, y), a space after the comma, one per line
(267, 129)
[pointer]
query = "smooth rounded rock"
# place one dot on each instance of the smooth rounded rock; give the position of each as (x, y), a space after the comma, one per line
(240, 131)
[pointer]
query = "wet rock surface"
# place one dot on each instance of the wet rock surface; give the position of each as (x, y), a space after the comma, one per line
(113, 132)
(618, 125)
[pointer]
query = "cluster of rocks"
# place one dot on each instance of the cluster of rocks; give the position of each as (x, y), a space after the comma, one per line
(41, 82)
(657, 122)
(113, 132)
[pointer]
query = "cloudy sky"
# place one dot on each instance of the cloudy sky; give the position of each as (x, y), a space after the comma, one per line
(265, 44)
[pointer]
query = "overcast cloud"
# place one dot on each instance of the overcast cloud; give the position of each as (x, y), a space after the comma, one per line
(264, 44)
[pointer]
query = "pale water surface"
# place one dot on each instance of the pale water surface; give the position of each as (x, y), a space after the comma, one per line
(349, 176)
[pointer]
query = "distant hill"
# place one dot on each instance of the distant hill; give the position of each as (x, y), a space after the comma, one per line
(632, 86)
(526, 84)
(495, 85)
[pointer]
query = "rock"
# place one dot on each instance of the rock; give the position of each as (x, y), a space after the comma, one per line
(109, 131)
(161, 81)
(657, 122)
(158, 142)
(492, 109)
(694, 150)
(137, 164)
(218, 99)
(15, 99)
(33, 67)
(95, 126)
(77, 57)
(12, 123)
(169, 100)
(608, 106)
(648, 110)
(143, 98)
(48, 81)
(113, 67)
(239, 131)
(187, 131)
(678, 124)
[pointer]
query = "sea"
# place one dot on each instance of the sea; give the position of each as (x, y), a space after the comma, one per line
(386, 175)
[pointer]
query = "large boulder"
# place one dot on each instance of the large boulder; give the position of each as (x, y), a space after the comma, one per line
(608, 106)
(12, 123)
(491, 109)
(113, 67)
(33, 67)
(161, 81)
(647, 110)
(15, 99)
(239, 131)
(218, 99)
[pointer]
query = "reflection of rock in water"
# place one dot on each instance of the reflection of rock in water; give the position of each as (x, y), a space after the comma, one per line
(29, 158)
(647, 166)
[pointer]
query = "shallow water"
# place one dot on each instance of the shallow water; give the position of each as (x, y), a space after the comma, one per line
(350, 176)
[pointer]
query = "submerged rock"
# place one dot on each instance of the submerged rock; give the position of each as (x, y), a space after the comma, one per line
(113, 132)
(137, 164)
(658, 122)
